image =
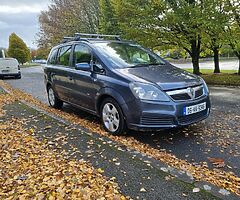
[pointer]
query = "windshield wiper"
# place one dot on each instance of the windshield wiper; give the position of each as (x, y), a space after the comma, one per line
(146, 64)
(156, 64)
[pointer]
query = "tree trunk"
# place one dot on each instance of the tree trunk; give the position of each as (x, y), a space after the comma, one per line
(216, 60)
(238, 55)
(195, 54)
(195, 62)
(239, 65)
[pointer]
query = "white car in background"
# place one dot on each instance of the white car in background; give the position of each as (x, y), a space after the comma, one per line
(9, 67)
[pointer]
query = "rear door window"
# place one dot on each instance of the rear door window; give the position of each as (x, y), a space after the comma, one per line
(64, 55)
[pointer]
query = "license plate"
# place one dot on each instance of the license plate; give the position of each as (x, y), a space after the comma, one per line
(195, 109)
(5, 71)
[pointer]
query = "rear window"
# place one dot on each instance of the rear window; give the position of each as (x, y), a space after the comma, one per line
(9, 62)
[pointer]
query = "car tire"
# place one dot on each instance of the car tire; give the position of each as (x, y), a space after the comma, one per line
(53, 100)
(112, 117)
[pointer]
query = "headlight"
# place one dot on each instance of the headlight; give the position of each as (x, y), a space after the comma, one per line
(206, 90)
(147, 92)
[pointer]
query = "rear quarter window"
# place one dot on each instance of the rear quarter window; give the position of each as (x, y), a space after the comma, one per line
(52, 57)
(64, 54)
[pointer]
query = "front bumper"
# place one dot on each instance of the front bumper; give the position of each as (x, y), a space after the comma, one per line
(147, 115)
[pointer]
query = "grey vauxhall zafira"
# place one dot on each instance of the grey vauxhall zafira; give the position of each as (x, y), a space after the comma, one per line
(126, 85)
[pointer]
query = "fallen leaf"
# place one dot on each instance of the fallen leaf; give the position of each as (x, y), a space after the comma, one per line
(217, 162)
(143, 190)
(195, 190)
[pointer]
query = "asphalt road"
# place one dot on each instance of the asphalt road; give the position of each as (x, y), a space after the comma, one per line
(216, 137)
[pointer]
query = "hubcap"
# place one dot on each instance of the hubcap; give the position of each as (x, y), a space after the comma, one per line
(51, 96)
(110, 117)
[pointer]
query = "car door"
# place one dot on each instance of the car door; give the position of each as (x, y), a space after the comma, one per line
(85, 81)
(60, 77)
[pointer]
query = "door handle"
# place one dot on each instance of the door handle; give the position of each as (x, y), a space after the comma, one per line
(70, 78)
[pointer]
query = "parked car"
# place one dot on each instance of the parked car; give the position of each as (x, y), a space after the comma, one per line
(42, 62)
(124, 84)
(9, 67)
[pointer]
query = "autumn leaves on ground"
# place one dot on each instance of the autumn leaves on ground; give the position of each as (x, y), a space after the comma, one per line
(29, 169)
(94, 180)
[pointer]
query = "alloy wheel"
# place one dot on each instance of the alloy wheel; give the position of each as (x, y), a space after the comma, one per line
(51, 96)
(110, 117)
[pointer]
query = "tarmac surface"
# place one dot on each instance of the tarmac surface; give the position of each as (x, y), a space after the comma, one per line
(216, 137)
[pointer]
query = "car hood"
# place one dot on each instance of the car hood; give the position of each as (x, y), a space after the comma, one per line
(168, 77)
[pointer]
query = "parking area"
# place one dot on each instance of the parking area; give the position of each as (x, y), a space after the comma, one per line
(216, 137)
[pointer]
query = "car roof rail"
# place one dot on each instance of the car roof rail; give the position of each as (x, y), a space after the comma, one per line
(87, 37)
(96, 36)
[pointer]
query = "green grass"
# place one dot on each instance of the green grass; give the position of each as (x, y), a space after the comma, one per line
(210, 71)
(226, 77)
(222, 79)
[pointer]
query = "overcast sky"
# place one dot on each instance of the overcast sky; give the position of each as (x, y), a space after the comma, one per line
(21, 17)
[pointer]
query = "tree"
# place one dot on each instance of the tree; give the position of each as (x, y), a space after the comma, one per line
(18, 49)
(40, 53)
(233, 33)
(171, 23)
(108, 23)
(135, 20)
(215, 21)
(66, 17)
(233, 29)
(183, 20)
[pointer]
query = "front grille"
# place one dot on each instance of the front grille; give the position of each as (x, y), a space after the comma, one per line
(192, 118)
(156, 120)
(180, 97)
(198, 93)
(189, 93)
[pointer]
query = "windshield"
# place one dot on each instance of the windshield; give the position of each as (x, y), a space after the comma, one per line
(125, 55)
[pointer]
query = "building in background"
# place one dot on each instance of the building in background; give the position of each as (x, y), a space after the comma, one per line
(2, 53)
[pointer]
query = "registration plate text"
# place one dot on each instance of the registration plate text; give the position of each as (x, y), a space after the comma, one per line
(195, 109)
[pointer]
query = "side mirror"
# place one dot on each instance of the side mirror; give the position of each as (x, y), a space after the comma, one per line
(83, 66)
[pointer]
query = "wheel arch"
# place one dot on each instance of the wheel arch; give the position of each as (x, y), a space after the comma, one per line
(110, 93)
(49, 84)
